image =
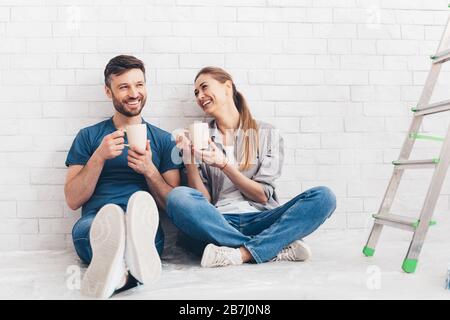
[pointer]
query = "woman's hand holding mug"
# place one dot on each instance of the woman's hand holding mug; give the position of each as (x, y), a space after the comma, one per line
(213, 157)
(185, 145)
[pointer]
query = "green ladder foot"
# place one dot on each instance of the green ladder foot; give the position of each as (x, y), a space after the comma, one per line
(409, 265)
(368, 252)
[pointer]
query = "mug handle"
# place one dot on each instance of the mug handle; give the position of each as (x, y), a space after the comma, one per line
(125, 132)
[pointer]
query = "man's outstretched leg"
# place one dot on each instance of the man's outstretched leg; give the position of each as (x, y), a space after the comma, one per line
(141, 255)
(107, 271)
(100, 239)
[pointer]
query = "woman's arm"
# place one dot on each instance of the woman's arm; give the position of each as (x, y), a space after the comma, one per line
(195, 181)
(216, 158)
(192, 172)
(260, 187)
(251, 189)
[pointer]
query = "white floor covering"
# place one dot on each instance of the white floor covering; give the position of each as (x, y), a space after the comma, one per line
(337, 270)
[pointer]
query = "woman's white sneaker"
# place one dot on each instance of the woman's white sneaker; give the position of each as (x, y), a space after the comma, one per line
(296, 251)
(107, 269)
(142, 219)
(214, 256)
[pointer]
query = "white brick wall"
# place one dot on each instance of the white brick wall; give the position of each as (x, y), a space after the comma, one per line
(337, 77)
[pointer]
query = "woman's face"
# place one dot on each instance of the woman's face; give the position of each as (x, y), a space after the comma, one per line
(212, 96)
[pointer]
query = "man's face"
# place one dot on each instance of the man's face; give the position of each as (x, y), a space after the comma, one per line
(128, 92)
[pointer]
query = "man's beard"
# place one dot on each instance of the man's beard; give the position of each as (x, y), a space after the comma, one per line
(120, 106)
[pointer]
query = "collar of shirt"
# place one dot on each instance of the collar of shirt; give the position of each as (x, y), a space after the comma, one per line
(217, 137)
(111, 123)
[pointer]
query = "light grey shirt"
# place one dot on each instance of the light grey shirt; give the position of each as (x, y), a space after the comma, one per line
(231, 200)
(266, 170)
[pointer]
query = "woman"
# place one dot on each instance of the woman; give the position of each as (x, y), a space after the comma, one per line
(230, 205)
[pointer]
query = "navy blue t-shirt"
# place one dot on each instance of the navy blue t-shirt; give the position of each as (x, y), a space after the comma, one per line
(117, 181)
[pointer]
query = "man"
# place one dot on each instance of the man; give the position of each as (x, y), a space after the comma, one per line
(108, 179)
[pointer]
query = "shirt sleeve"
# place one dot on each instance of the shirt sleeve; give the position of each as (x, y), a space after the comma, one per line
(272, 157)
(80, 151)
(204, 178)
(170, 158)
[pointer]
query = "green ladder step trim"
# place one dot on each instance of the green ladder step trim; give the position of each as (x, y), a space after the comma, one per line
(435, 160)
(409, 265)
(368, 252)
(416, 224)
(425, 137)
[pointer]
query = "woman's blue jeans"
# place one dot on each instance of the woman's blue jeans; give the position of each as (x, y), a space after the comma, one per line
(263, 233)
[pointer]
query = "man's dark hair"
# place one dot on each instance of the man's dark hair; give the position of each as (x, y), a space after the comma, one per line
(119, 65)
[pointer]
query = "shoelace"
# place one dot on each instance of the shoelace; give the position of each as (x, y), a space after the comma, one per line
(221, 258)
(287, 254)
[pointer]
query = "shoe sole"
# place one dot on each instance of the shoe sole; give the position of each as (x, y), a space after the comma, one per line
(142, 221)
(107, 237)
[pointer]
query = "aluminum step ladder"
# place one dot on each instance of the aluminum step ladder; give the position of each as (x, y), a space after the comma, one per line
(440, 165)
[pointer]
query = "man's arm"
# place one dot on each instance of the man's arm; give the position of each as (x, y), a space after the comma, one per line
(160, 185)
(81, 180)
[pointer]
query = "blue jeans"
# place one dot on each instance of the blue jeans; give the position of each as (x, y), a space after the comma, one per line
(263, 233)
(80, 236)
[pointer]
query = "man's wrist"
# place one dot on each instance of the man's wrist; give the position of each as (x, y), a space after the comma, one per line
(151, 171)
(98, 159)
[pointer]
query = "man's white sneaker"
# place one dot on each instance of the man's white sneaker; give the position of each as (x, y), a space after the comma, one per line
(214, 256)
(107, 269)
(296, 251)
(142, 220)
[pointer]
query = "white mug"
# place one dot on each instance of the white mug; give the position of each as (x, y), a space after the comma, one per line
(137, 136)
(199, 135)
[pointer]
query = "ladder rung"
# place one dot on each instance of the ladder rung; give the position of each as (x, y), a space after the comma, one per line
(397, 221)
(441, 57)
(419, 136)
(432, 108)
(416, 164)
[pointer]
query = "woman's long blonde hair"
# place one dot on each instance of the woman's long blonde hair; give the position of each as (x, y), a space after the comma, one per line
(246, 122)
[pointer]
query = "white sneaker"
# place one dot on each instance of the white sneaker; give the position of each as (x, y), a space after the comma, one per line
(214, 256)
(142, 220)
(107, 270)
(296, 251)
